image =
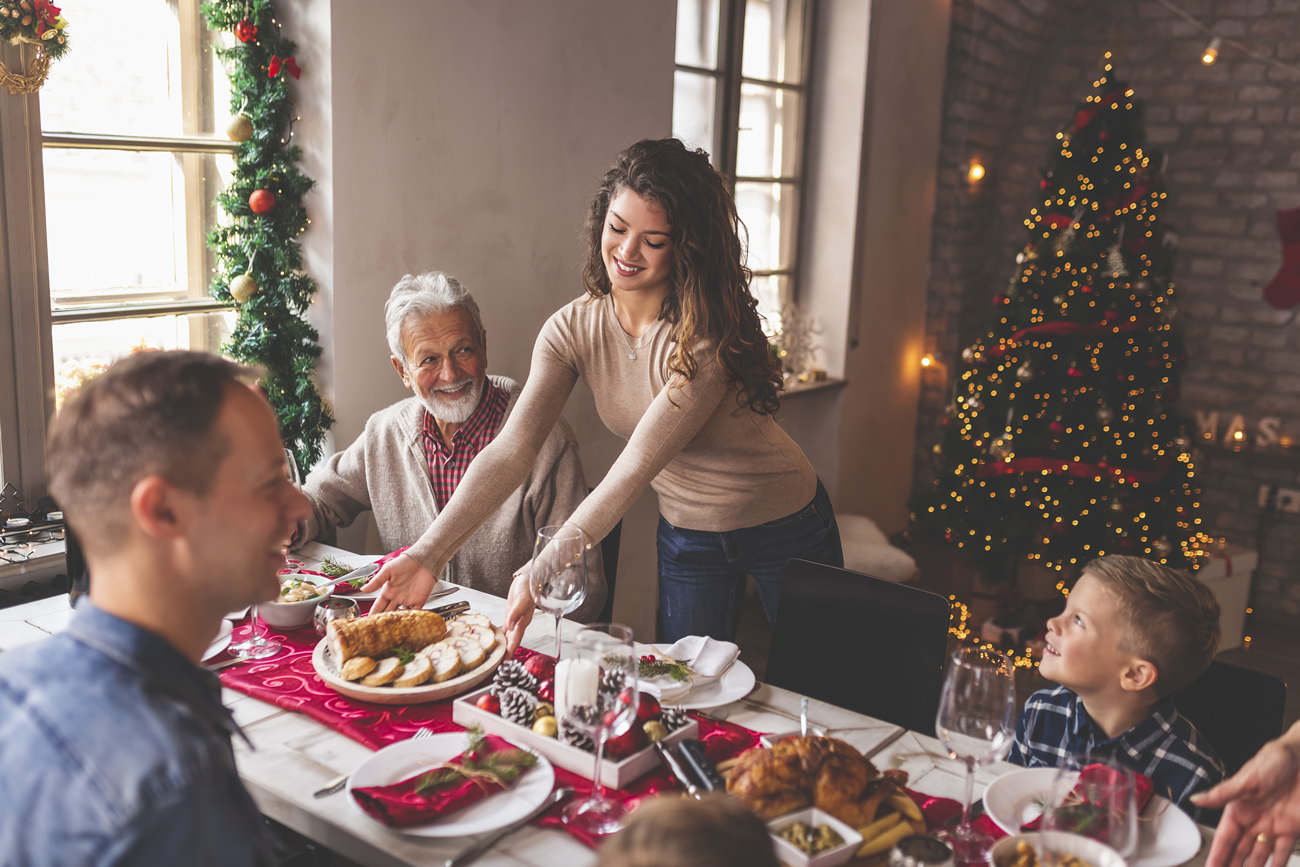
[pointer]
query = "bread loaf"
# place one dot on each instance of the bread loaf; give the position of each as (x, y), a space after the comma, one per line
(376, 634)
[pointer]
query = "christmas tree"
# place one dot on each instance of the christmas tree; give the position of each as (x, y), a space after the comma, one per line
(1062, 441)
(256, 245)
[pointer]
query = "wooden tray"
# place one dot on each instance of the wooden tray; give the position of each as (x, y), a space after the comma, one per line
(617, 774)
(326, 666)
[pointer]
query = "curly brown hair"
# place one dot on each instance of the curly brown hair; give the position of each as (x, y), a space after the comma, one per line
(709, 298)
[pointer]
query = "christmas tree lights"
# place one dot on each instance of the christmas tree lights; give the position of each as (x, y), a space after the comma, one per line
(1062, 442)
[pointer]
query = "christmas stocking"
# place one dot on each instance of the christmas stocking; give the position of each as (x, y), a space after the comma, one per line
(1284, 289)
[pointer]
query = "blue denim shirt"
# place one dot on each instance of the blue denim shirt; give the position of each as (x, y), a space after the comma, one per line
(115, 749)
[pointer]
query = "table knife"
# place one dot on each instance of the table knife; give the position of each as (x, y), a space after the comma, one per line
(474, 852)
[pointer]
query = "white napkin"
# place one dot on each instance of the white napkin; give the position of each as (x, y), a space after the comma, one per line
(707, 657)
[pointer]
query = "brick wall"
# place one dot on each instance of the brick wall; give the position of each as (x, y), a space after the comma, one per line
(1231, 131)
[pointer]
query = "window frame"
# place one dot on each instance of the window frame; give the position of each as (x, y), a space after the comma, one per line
(729, 81)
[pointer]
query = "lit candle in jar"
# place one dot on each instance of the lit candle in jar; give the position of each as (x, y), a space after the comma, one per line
(576, 683)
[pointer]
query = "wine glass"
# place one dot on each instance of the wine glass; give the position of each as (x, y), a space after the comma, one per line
(259, 646)
(558, 576)
(596, 692)
(1097, 798)
(976, 722)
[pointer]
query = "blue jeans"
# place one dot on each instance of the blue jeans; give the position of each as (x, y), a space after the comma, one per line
(702, 574)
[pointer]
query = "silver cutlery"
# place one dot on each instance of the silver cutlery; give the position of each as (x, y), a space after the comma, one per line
(803, 716)
(474, 852)
(886, 742)
(220, 665)
(340, 781)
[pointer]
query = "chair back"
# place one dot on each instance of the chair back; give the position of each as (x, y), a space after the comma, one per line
(860, 642)
(609, 554)
(1237, 709)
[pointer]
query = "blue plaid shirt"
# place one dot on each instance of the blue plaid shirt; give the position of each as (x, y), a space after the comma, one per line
(1164, 746)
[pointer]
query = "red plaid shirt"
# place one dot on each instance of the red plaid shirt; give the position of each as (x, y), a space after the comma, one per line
(448, 463)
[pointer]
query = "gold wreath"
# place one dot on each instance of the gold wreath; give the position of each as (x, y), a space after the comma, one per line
(37, 70)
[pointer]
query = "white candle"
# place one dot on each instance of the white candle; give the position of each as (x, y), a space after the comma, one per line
(576, 683)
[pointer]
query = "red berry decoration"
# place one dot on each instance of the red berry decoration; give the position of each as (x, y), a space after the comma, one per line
(489, 702)
(540, 667)
(632, 741)
(245, 30)
(546, 690)
(647, 710)
(262, 202)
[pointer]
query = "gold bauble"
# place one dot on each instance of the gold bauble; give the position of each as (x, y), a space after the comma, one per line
(243, 287)
(240, 128)
(547, 727)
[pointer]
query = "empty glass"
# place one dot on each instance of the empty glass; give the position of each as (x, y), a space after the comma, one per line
(558, 575)
(1095, 798)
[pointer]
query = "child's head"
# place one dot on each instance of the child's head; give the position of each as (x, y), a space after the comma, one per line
(1126, 610)
(717, 831)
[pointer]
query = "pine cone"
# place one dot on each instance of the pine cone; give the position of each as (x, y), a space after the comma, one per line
(517, 705)
(612, 682)
(510, 674)
(673, 718)
(574, 736)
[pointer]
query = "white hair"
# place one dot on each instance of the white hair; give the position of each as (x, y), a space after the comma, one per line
(424, 295)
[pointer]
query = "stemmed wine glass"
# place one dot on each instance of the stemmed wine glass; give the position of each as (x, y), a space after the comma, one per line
(976, 722)
(259, 646)
(558, 576)
(1095, 797)
(596, 692)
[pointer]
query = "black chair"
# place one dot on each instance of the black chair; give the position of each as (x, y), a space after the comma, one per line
(860, 642)
(1238, 710)
(609, 553)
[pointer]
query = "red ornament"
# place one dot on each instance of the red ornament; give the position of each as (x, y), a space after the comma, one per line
(647, 709)
(262, 202)
(489, 702)
(999, 299)
(1043, 184)
(540, 667)
(291, 67)
(631, 741)
(472, 757)
(1056, 427)
(546, 690)
(288, 64)
(1104, 135)
(1085, 289)
(245, 30)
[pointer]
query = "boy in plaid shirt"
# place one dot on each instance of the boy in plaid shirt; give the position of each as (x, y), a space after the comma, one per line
(1132, 632)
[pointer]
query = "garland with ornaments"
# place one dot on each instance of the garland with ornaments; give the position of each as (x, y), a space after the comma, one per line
(259, 261)
(38, 23)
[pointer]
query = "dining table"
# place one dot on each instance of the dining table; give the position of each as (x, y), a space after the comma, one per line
(289, 755)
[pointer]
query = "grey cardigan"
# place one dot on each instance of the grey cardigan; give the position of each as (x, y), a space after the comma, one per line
(385, 471)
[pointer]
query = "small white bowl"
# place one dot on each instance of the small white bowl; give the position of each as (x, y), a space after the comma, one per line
(788, 853)
(1090, 851)
(291, 615)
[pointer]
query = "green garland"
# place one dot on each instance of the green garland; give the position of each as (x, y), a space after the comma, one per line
(270, 331)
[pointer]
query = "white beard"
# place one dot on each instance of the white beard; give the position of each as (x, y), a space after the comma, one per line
(454, 410)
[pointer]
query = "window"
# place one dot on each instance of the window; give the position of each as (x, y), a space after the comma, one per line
(131, 166)
(740, 92)
(110, 173)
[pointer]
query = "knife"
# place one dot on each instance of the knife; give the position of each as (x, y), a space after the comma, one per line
(473, 852)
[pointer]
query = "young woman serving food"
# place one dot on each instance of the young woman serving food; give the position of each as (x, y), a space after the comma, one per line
(668, 339)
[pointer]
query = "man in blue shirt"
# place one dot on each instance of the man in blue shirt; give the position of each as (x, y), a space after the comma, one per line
(114, 745)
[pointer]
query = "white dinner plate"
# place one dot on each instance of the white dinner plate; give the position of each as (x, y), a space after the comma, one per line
(407, 758)
(221, 641)
(1168, 836)
(735, 683)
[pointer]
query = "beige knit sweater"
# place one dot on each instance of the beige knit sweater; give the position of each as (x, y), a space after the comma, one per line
(716, 466)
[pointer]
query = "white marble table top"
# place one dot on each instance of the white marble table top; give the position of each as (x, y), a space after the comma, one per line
(294, 755)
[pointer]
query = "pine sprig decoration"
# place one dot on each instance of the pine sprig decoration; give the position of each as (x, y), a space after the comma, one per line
(504, 765)
(648, 667)
(270, 330)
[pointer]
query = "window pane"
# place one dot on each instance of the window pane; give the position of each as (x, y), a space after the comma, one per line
(117, 223)
(697, 32)
(772, 292)
(767, 145)
(694, 98)
(132, 73)
(83, 349)
(773, 40)
(769, 212)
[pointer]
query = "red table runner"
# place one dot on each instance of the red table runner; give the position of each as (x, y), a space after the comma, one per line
(289, 681)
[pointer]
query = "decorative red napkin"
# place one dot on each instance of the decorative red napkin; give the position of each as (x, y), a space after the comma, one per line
(1092, 819)
(490, 765)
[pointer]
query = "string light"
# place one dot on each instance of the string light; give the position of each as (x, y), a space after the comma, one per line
(927, 360)
(976, 171)
(1211, 52)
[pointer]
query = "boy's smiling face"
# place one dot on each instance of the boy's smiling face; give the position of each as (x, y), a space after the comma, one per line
(1083, 643)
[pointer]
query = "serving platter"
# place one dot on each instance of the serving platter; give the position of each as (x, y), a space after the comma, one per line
(328, 669)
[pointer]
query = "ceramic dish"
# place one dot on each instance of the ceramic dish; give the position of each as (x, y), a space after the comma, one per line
(792, 855)
(1087, 850)
(405, 759)
(326, 666)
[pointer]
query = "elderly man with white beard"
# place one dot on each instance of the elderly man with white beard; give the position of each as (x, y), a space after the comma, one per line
(412, 455)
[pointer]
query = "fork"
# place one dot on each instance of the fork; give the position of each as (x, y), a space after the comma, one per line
(339, 782)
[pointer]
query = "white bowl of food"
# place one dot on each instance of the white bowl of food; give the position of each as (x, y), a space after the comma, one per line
(806, 838)
(296, 604)
(1071, 850)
